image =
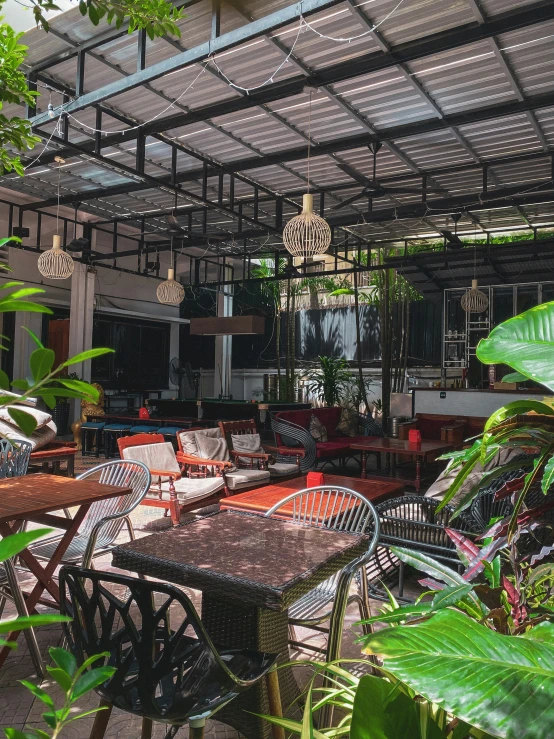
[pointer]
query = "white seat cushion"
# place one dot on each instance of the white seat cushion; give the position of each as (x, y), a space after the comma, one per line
(282, 469)
(244, 478)
(189, 489)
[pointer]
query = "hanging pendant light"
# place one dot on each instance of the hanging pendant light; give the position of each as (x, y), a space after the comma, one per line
(56, 264)
(475, 300)
(171, 292)
(307, 234)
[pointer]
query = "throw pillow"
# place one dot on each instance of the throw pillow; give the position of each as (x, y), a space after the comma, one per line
(289, 441)
(317, 430)
(246, 443)
(40, 417)
(212, 448)
(348, 423)
(188, 440)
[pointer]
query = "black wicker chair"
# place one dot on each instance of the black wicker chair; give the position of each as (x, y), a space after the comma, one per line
(163, 674)
(413, 522)
(410, 521)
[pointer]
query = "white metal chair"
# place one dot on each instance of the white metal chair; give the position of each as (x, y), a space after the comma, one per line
(105, 518)
(341, 510)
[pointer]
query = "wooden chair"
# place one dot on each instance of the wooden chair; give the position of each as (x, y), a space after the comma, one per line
(277, 468)
(238, 476)
(175, 487)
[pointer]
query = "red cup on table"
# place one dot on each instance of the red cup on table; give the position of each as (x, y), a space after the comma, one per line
(315, 479)
(414, 437)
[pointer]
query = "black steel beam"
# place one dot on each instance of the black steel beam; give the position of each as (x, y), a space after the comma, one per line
(393, 133)
(540, 12)
(499, 197)
(238, 36)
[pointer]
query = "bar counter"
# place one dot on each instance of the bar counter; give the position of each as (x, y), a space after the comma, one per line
(468, 401)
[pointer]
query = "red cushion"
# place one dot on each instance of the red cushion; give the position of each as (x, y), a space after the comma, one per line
(331, 448)
(329, 417)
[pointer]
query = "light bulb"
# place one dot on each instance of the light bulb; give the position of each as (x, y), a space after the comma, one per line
(50, 110)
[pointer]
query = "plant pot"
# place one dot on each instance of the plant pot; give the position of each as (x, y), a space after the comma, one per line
(60, 416)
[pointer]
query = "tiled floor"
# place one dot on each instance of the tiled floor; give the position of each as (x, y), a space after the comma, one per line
(18, 708)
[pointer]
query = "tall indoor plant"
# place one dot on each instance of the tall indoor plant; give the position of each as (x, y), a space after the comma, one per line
(476, 660)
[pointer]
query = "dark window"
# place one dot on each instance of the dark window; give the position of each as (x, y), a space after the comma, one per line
(141, 354)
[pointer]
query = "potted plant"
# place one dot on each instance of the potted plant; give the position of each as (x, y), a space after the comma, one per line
(330, 380)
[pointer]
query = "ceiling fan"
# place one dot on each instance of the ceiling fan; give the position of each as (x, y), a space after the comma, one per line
(374, 189)
(453, 241)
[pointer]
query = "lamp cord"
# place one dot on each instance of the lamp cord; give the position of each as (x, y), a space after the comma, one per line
(309, 137)
(58, 207)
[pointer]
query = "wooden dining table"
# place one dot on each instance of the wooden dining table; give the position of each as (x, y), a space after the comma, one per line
(35, 499)
(260, 500)
(426, 450)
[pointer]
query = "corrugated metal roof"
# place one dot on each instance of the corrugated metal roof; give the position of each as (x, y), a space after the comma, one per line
(446, 83)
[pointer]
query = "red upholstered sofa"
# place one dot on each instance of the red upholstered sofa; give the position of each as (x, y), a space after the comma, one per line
(293, 438)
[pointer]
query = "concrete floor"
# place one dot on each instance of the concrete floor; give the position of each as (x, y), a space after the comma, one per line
(19, 709)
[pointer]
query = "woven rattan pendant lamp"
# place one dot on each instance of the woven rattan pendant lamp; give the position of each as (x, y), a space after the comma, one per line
(307, 234)
(474, 300)
(170, 292)
(56, 264)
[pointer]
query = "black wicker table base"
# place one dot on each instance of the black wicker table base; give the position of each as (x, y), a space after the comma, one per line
(239, 625)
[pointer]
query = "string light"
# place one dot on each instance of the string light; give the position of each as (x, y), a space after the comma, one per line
(353, 38)
(303, 25)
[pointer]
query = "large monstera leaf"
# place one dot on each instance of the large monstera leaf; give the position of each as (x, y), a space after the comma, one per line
(525, 343)
(503, 685)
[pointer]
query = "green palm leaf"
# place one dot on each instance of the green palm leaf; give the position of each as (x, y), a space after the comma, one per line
(525, 343)
(503, 685)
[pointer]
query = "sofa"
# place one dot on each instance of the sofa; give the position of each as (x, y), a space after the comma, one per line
(293, 438)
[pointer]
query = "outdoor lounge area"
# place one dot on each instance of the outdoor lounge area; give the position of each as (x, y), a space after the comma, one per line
(277, 369)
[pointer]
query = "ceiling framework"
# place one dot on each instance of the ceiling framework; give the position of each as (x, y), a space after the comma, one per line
(493, 264)
(455, 99)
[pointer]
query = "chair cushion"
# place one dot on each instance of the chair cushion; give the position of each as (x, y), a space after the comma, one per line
(93, 425)
(188, 489)
(154, 456)
(348, 424)
(245, 478)
(188, 440)
(40, 417)
(250, 443)
(283, 469)
(39, 438)
(212, 448)
(318, 430)
(144, 429)
(117, 427)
